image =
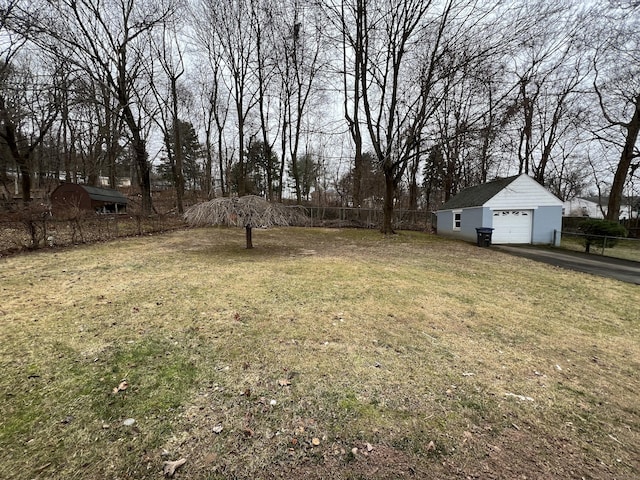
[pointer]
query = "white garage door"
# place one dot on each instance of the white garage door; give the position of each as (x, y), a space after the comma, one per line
(512, 226)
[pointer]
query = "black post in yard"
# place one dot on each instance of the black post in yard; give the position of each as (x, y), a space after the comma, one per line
(248, 235)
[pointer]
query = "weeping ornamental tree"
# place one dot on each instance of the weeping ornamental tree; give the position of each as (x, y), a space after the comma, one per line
(248, 212)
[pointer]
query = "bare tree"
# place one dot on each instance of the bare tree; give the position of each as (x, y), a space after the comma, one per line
(229, 23)
(547, 69)
(28, 92)
(215, 99)
(348, 19)
(168, 52)
(617, 87)
(28, 108)
(266, 33)
(108, 41)
(404, 45)
(299, 65)
(248, 211)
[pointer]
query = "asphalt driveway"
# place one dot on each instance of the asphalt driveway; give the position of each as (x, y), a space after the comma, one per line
(623, 270)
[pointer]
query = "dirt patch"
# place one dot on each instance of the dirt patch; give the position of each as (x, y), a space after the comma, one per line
(517, 454)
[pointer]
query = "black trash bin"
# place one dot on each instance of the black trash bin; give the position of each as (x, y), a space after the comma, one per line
(484, 236)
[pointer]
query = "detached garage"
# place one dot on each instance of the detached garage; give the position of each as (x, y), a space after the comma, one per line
(85, 197)
(518, 209)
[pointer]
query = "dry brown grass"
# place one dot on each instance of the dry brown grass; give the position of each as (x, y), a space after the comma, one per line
(433, 358)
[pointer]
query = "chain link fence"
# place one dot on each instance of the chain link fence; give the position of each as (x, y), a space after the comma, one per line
(618, 247)
(344, 217)
(35, 230)
(32, 229)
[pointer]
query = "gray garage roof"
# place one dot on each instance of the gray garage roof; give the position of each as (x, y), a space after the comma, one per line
(478, 195)
(106, 195)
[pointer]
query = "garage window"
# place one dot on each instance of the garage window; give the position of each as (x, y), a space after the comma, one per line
(457, 220)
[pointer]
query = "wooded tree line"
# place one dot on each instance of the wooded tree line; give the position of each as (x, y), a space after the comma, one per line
(359, 102)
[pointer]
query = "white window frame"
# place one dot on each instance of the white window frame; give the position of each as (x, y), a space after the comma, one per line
(457, 220)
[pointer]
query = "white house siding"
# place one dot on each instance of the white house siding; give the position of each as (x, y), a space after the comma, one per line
(580, 207)
(524, 193)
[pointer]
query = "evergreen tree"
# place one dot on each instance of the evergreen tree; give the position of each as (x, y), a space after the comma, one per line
(261, 172)
(191, 156)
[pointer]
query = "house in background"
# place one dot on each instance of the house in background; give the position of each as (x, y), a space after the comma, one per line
(582, 207)
(596, 207)
(519, 209)
(85, 197)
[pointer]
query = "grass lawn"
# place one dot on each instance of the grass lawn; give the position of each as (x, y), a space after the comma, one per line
(318, 354)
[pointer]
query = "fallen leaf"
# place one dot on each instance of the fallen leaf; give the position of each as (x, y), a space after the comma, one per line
(519, 397)
(122, 387)
(169, 468)
(283, 382)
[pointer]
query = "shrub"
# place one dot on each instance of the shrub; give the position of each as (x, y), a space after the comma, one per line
(602, 233)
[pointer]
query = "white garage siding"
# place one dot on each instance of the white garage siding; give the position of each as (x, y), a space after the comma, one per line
(523, 193)
(512, 226)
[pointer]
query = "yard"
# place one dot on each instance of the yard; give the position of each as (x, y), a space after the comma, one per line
(318, 354)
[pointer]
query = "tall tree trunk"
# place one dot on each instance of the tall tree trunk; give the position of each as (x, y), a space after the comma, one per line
(248, 236)
(389, 195)
(208, 167)
(25, 180)
(627, 155)
(22, 161)
(295, 172)
(354, 121)
(141, 158)
(283, 140)
(527, 130)
(144, 176)
(177, 142)
(223, 177)
(413, 181)
(487, 132)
